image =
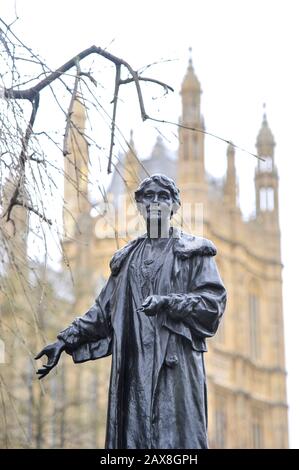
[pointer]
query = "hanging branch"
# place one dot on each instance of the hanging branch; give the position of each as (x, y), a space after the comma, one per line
(15, 198)
(114, 101)
(32, 94)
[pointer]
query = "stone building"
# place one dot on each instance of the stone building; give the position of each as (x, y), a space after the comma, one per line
(245, 364)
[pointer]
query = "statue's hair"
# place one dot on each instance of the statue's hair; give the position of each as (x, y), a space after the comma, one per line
(163, 181)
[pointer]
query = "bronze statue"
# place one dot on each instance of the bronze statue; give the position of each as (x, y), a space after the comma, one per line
(164, 297)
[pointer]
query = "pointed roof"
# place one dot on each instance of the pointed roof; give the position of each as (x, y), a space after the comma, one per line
(265, 136)
(230, 150)
(231, 169)
(160, 161)
(190, 81)
(131, 153)
(231, 188)
(159, 149)
(131, 166)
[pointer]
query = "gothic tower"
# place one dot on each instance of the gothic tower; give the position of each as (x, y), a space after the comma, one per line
(78, 224)
(266, 178)
(75, 170)
(191, 167)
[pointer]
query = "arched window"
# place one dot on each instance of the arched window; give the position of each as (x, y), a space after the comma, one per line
(254, 326)
(270, 199)
(263, 199)
(267, 199)
(257, 428)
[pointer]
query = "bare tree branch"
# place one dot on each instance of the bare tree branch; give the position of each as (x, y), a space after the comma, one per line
(30, 93)
(146, 79)
(32, 209)
(116, 90)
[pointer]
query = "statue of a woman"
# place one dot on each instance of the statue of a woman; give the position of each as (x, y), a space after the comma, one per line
(164, 297)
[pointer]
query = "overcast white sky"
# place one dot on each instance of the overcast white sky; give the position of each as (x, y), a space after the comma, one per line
(245, 53)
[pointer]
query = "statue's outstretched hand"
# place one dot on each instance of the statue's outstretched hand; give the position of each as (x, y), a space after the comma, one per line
(152, 305)
(53, 352)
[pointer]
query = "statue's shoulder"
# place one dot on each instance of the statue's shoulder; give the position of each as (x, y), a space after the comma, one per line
(120, 255)
(188, 245)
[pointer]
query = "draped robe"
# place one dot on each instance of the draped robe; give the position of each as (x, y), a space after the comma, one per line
(157, 394)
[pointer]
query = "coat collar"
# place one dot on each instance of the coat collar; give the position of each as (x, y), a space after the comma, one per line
(185, 246)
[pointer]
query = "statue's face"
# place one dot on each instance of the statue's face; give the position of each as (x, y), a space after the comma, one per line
(156, 203)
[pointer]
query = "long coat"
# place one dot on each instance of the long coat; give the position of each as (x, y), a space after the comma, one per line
(176, 417)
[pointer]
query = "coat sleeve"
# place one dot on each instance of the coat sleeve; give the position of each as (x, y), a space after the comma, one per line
(201, 308)
(95, 325)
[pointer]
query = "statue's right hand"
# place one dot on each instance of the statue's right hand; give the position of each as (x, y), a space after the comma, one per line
(53, 352)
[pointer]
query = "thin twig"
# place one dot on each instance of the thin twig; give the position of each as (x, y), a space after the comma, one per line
(202, 131)
(35, 211)
(116, 90)
(146, 79)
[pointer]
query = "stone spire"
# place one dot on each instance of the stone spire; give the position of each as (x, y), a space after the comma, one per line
(266, 177)
(190, 92)
(131, 167)
(231, 184)
(190, 81)
(159, 149)
(76, 170)
(191, 169)
(265, 140)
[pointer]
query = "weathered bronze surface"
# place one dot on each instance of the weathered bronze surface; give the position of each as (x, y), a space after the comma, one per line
(164, 297)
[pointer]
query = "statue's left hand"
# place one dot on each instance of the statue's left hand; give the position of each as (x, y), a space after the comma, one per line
(152, 305)
(53, 352)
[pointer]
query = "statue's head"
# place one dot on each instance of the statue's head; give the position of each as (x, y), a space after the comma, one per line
(157, 197)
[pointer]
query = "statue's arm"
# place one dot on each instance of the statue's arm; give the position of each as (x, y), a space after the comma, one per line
(200, 309)
(94, 325)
